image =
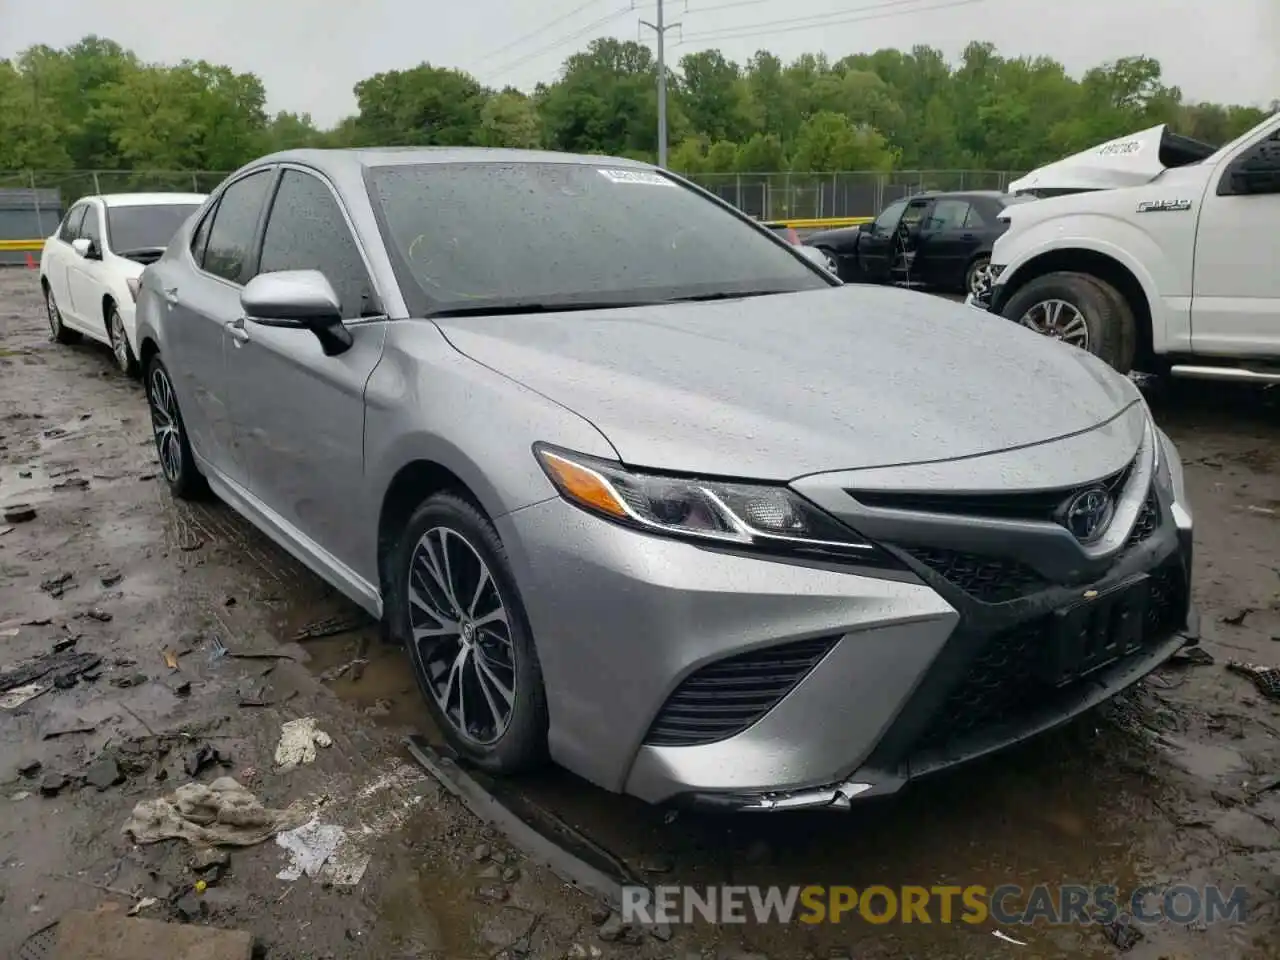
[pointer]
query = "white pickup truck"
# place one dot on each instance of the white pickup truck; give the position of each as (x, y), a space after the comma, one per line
(1154, 252)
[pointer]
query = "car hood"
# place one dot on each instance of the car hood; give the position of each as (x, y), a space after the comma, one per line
(1128, 161)
(781, 386)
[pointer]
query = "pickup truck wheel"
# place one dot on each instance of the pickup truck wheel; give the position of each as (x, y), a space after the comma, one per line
(1080, 310)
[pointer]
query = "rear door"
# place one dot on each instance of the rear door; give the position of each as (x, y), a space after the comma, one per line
(298, 414)
(945, 243)
(201, 300)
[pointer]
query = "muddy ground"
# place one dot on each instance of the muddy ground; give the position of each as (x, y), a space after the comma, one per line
(1165, 786)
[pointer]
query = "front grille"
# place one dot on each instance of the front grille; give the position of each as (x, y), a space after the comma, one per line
(1006, 682)
(1145, 525)
(724, 698)
(1040, 506)
(989, 579)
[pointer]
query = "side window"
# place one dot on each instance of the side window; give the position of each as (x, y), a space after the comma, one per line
(307, 231)
(915, 212)
(975, 220)
(889, 217)
(91, 229)
(1254, 171)
(947, 215)
(71, 225)
(234, 222)
(200, 239)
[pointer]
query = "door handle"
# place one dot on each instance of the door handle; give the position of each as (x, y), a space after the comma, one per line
(967, 236)
(239, 335)
(171, 295)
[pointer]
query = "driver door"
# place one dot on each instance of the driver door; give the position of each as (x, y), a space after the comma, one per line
(876, 246)
(85, 281)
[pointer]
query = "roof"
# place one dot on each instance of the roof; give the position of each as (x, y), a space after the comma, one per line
(347, 159)
(150, 199)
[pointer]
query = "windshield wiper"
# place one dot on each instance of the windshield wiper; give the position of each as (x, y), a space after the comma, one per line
(725, 295)
(508, 309)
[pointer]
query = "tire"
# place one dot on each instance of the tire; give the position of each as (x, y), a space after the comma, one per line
(1110, 332)
(833, 262)
(120, 348)
(177, 462)
(979, 263)
(57, 330)
(497, 656)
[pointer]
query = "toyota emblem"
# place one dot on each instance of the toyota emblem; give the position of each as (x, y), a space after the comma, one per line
(1088, 513)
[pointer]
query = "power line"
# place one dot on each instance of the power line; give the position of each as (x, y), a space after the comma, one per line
(569, 38)
(791, 24)
(542, 29)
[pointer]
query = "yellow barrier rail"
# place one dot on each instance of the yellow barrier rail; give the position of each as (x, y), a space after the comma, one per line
(34, 246)
(820, 223)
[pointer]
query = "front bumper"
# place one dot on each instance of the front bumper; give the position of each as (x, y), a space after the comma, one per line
(648, 644)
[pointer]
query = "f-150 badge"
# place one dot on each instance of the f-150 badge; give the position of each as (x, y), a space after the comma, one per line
(1163, 206)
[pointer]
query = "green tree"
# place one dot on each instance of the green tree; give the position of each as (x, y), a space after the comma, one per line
(509, 119)
(829, 141)
(423, 106)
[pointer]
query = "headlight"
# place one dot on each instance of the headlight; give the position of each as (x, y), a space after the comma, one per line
(750, 515)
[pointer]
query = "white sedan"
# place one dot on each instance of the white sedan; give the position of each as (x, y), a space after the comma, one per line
(90, 267)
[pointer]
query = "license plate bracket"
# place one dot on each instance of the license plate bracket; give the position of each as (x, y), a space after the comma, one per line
(1096, 631)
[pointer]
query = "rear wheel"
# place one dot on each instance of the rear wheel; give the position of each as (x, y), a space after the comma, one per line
(57, 330)
(125, 359)
(172, 447)
(975, 278)
(833, 264)
(1081, 310)
(457, 605)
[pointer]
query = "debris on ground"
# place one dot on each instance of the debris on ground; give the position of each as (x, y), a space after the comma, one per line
(52, 784)
(201, 757)
(112, 578)
(72, 483)
(97, 613)
(19, 513)
(20, 695)
(323, 851)
(55, 586)
(1266, 679)
(298, 741)
(104, 773)
(1237, 619)
(62, 661)
(328, 627)
(106, 935)
(1122, 932)
(206, 858)
(29, 768)
(57, 732)
(1193, 656)
(354, 667)
(219, 813)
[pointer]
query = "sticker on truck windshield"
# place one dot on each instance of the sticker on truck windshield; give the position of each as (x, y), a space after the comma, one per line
(1122, 148)
(645, 177)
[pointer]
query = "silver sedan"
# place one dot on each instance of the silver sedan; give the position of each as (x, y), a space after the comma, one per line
(645, 491)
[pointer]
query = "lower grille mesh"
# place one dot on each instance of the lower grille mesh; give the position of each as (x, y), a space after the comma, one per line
(724, 698)
(989, 579)
(1002, 683)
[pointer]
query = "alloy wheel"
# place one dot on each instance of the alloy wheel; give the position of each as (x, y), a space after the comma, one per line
(165, 424)
(980, 279)
(831, 263)
(459, 624)
(119, 343)
(1060, 320)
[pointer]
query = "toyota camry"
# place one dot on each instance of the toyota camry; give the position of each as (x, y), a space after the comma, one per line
(643, 491)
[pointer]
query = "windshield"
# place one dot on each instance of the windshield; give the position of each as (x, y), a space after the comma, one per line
(475, 235)
(145, 226)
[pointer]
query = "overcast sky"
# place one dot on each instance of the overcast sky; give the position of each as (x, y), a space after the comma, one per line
(309, 53)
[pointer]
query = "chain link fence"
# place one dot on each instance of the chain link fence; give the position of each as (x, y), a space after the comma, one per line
(41, 197)
(817, 196)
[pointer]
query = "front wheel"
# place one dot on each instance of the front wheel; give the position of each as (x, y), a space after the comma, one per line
(58, 331)
(975, 278)
(1081, 310)
(456, 603)
(172, 446)
(833, 264)
(120, 348)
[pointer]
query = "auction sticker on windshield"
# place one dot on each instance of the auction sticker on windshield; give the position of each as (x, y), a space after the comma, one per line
(644, 177)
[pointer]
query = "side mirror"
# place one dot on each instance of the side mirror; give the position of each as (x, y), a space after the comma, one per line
(298, 298)
(84, 248)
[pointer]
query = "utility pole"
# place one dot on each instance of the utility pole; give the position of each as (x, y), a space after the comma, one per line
(660, 28)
